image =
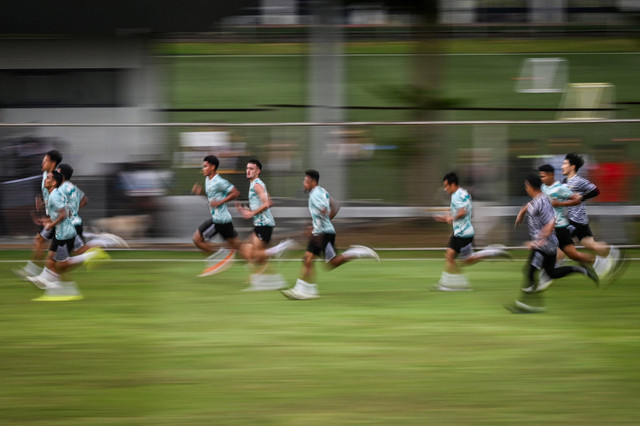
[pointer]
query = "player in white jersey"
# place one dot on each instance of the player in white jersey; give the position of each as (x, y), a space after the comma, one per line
(461, 241)
(77, 199)
(219, 192)
(255, 247)
(59, 260)
(558, 192)
(322, 238)
(541, 220)
(49, 163)
(577, 213)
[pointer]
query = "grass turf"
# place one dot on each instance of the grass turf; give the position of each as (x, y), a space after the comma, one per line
(153, 344)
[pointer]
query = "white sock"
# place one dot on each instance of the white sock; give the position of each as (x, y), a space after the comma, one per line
(271, 251)
(277, 249)
(445, 278)
(32, 269)
(101, 242)
(81, 258)
(488, 253)
(48, 275)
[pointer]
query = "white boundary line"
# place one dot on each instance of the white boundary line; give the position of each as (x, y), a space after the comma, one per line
(402, 259)
(293, 55)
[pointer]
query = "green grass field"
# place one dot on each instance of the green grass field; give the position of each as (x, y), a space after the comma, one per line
(152, 344)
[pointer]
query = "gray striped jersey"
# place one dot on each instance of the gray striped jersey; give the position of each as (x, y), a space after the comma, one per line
(580, 186)
(540, 213)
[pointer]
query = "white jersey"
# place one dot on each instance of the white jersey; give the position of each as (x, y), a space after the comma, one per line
(462, 227)
(558, 192)
(217, 189)
(320, 209)
(74, 196)
(264, 218)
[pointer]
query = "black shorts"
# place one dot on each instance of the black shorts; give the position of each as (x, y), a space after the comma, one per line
(208, 230)
(62, 248)
(323, 243)
(580, 230)
(461, 245)
(564, 237)
(263, 233)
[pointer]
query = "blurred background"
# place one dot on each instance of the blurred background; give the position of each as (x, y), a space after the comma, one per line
(382, 97)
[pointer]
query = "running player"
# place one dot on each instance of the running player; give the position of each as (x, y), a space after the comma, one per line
(219, 192)
(255, 247)
(577, 213)
(558, 192)
(322, 240)
(544, 245)
(461, 241)
(49, 163)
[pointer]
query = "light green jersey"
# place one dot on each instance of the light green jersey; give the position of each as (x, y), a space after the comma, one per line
(265, 218)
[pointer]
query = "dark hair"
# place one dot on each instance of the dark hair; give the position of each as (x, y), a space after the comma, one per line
(313, 174)
(451, 178)
(57, 177)
(547, 168)
(534, 181)
(575, 160)
(65, 170)
(256, 162)
(54, 156)
(213, 160)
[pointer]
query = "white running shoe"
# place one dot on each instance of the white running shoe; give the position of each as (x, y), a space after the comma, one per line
(293, 294)
(218, 262)
(112, 240)
(544, 281)
(528, 308)
(41, 283)
(279, 249)
(360, 252)
(442, 287)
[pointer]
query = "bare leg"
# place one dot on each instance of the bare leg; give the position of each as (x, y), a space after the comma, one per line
(204, 245)
(600, 248)
(307, 267)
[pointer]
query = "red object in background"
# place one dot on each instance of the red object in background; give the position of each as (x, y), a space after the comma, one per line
(614, 181)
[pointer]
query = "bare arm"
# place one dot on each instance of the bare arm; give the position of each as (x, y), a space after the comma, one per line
(521, 214)
(62, 216)
(265, 203)
(233, 194)
(574, 200)
(335, 208)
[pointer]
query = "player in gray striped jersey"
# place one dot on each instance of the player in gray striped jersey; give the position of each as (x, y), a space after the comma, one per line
(541, 221)
(577, 212)
(558, 192)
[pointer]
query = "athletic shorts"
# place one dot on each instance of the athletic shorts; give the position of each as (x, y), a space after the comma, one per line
(79, 241)
(461, 245)
(263, 233)
(62, 249)
(564, 237)
(579, 230)
(208, 230)
(47, 234)
(323, 243)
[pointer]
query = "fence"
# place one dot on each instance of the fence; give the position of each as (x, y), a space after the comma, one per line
(387, 169)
